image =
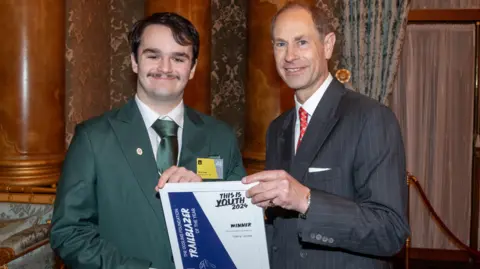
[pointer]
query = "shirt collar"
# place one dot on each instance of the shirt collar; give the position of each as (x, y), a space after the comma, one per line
(311, 104)
(150, 116)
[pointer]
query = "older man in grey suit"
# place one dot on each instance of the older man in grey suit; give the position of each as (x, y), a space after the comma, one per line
(335, 181)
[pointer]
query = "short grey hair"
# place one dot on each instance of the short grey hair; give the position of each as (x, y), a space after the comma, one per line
(321, 17)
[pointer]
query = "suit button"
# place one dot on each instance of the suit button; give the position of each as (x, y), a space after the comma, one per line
(330, 240)
(318, 237)
(325, 239)
(303, 254)
(312, 235)
(275, 248)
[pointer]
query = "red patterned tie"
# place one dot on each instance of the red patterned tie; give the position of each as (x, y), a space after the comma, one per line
(303, 124)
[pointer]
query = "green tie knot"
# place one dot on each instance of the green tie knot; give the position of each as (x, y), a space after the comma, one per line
(168, 148)
(165, 128)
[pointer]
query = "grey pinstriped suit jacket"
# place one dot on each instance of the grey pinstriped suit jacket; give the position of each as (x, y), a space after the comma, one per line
(357, 215)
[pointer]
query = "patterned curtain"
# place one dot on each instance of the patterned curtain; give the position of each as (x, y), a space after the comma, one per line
(374, 32)
(369, 41)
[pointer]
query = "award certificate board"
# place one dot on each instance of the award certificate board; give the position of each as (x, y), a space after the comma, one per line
(214, 225)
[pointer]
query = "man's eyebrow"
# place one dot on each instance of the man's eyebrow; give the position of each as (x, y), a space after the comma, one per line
(297, 38)
(151, 50)
(300, 37)
(174, 54)
(181, 54)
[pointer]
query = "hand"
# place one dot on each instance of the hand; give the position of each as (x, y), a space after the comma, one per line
(277, 188)
(176, 174)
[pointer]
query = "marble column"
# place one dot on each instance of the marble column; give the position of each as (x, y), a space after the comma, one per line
(32, 98)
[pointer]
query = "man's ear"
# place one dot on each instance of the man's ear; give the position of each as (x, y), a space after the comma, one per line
(192, 71)
(329, 44)
(134, 63)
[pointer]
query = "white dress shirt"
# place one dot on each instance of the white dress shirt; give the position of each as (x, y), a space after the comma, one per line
(310, 105)
(150, 116)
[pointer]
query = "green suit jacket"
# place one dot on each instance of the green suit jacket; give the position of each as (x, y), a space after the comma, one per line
(107, 213)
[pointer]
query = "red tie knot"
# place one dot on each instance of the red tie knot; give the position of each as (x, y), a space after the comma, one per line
(303, 115)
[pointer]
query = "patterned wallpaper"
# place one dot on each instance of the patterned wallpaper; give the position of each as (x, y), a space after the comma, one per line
(122, 14)
(98, 74)
(229, 62)
(87, 71)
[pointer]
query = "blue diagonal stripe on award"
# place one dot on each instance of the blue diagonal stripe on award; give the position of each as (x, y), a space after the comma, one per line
(199, 244)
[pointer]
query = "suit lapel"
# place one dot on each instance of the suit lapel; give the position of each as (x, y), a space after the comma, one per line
(195, 141)
(285, 140)
(132, 134)
(320, 126)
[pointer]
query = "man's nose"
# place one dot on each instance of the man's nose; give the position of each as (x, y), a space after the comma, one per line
(291, 54)
(165, 65)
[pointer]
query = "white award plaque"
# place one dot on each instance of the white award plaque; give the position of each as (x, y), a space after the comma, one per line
(214, 225)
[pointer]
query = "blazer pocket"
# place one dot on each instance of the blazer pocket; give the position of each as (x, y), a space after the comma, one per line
(321, 180)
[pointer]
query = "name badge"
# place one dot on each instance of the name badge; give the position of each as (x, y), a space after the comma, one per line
(210, 168)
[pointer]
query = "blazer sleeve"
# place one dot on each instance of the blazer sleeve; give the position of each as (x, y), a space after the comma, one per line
(269, 165)
(236, 170)
(74, 235)
(374, 222)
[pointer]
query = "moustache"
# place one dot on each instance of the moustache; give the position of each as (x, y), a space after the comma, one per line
(162, 75)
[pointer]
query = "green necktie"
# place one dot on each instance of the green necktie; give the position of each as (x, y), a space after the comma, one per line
(168, 148)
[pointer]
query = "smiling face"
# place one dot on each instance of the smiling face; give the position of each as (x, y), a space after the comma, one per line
(163, 67)
(301, 54)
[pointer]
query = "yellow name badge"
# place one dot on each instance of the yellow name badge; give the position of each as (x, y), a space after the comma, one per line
(210, 168)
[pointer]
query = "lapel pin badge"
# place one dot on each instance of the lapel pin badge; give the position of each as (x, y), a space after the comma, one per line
(139, 151)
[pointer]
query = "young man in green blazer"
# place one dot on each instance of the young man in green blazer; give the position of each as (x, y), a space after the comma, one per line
(107, 212)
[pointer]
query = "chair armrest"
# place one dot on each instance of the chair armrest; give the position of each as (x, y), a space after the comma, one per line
(23, 242)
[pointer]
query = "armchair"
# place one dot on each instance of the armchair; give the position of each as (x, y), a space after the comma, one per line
(25, 214)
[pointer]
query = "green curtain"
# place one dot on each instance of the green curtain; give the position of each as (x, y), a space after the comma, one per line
(370, 36)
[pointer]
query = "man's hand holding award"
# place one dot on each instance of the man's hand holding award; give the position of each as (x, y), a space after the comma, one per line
(212, 224)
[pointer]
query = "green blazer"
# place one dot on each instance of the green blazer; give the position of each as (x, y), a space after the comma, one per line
(107, 213)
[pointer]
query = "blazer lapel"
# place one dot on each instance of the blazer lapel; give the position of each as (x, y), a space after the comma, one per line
(195, 141)
(132, 134)
(285, 141)
(320, 126)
